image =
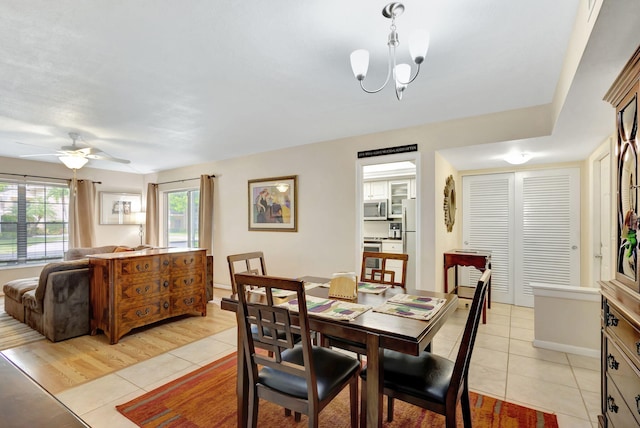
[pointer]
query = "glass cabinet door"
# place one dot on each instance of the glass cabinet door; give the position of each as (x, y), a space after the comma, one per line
(627, 258)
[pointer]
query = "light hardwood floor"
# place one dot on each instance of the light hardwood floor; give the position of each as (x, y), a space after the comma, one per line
(63, 365)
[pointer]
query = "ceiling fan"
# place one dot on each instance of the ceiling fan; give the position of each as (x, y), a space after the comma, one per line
(75, 157)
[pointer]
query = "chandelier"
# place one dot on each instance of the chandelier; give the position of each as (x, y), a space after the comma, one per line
(418, 45)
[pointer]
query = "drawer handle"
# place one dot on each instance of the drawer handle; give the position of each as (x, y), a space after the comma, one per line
(611, 405)
(188, 261)
(144, 268)
(165, 284)
(141, 314)
(166, 262)
(139, 290)
(638, 403)
(188, 281)
(612, 320)
(189, 301)
(166, 305)
(613, 364)
(638, 347)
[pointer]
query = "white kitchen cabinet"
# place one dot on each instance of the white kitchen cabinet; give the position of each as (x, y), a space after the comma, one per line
(395, 247)
(375, 190)
(398, 190)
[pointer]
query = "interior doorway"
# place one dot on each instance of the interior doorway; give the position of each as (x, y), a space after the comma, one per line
(602, 219)
(394, 181)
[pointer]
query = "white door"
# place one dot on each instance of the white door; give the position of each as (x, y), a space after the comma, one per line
(487, 224)
(602, 245)
(547, 230)
(530, 221)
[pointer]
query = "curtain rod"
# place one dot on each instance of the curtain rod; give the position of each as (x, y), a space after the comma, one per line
(42, 176)
(184, 179)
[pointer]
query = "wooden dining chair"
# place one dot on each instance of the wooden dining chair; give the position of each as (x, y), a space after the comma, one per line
(431, 381)
(252, 263)
(300, 377)
(384, 272)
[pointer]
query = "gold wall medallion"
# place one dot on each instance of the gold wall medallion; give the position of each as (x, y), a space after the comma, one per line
(449, 205)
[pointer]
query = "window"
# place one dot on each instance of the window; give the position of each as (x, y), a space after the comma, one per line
(33, 222)
(182, 218)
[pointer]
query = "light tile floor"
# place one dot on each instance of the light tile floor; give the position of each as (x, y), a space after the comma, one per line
(504, 365)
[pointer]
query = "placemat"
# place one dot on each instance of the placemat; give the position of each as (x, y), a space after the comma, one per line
(328, 308)
(284, 293)
(410, 306)
(368, 287)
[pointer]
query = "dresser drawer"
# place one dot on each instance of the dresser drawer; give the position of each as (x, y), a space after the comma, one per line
(187, 303)
(617, 325)
(625, 376)
(142, 265)
(143, 314)
(143, 289)
(617, 410)
(187, 261)
(186, 281)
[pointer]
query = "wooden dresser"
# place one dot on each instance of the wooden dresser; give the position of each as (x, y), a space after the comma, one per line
(621, 296)
(134, 289)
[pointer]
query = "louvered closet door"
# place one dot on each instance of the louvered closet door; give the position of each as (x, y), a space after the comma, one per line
(547, 230)
(530, 221)
(487, 224)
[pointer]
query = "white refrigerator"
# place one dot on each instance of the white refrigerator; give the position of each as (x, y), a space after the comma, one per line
(409, 243)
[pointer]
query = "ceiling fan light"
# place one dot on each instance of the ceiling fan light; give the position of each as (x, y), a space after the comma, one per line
(73, 162)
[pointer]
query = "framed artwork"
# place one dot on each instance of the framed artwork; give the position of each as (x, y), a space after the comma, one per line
(119, 208)
(273, 204)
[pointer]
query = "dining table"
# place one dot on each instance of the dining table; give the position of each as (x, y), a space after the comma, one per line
(376, 331)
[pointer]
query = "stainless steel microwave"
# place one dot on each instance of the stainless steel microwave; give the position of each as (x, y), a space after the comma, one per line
(375, 209)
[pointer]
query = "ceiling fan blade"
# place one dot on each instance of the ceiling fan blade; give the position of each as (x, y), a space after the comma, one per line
(107, 158)
(39, 154)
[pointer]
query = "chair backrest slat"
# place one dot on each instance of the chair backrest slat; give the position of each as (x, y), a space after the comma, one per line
(463, 360)
(384, 274)
(253, 262)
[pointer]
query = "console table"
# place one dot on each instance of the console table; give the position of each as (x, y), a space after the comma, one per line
(478, 259)
(137, 288)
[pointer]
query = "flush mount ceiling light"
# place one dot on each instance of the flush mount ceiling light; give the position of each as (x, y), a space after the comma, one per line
(518, 158)
(418, 46)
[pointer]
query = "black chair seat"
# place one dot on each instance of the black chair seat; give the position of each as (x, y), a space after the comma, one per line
(426, 376)
(332, 369)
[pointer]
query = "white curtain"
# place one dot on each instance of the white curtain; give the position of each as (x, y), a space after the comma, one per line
(153, 216)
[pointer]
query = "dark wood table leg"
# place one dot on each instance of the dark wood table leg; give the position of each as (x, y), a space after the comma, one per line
(374, 381)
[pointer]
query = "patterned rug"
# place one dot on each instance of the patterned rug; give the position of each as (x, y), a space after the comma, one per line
(207, 398)
(14, 333)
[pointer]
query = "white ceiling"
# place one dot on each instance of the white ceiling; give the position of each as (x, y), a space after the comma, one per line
(199, 80)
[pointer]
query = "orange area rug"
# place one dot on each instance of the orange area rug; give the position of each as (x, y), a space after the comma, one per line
(207, 398)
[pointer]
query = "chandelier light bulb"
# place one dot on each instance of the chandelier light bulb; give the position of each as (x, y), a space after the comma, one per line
(418, 46)
(360, 63)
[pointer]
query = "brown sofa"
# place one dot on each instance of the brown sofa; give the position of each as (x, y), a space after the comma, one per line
(57, 302)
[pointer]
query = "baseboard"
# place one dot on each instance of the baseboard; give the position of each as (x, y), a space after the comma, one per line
(570, 349)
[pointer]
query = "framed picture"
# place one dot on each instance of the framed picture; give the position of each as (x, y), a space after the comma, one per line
(273, 204)
(119, 208)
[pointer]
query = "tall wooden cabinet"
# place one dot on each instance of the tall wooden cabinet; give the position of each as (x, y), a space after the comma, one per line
(621, 296)
(134, 289)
